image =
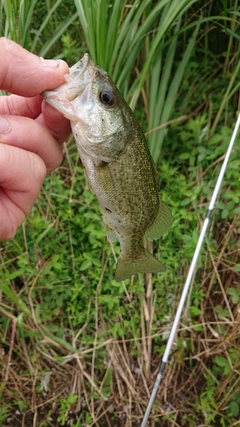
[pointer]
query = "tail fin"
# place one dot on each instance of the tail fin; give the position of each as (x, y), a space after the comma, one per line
(144, 263)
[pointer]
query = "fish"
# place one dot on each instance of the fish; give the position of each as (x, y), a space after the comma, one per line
(117, 162)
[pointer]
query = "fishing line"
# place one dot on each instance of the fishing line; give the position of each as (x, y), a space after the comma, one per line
(190, 275)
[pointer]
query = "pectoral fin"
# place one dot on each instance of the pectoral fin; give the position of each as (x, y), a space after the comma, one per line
(111, 235)
(161, 224)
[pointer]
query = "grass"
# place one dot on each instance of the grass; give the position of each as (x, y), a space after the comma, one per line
(78, 348)
(27, 14)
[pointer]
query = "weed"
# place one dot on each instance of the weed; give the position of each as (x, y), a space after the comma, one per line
(76, 346)
(4, 413)
(65, 406)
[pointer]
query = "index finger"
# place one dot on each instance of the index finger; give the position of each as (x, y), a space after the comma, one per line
(26, 74)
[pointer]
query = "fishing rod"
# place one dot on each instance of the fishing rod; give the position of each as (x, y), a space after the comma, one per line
(190, 275)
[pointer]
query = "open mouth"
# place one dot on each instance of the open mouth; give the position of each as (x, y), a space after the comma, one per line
(82, 67)
(78, 82)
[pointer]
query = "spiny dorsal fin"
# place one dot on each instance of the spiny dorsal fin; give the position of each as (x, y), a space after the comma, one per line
(161, 224)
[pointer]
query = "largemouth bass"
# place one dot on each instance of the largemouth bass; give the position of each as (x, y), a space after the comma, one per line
(118, 166)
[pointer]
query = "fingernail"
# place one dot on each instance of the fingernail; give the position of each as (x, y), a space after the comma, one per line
(50, 63)
(4, 126)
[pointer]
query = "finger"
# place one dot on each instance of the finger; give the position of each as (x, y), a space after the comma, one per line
(21, 176)
(20, 106)
(40, 110)
(55, 122)
(24, 73)
(29, 135)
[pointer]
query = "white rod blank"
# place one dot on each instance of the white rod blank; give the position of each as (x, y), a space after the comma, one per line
(190, 274)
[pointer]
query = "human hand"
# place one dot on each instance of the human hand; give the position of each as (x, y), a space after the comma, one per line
(31, 131)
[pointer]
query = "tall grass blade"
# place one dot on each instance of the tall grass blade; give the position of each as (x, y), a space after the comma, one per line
(57, 35)
(120, 27)
(25, 32)
(175, 10)
(6, 289)
(26, 10)
(235, 75)
(44, 24)
(164, 105)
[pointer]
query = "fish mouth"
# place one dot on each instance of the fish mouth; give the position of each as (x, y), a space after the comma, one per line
(78, 82)
(83, 73)
(84, 66)
(80, 75)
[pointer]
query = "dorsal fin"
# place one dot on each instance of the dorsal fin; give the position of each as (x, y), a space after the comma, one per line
(161, 224)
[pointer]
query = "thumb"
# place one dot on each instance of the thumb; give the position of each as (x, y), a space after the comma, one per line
(24, 73)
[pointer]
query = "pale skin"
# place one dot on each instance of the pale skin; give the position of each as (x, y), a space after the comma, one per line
(31, 131)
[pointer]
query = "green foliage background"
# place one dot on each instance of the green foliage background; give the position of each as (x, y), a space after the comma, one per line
(78, 348)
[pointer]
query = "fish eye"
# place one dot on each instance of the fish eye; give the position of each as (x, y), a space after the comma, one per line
(107, 98)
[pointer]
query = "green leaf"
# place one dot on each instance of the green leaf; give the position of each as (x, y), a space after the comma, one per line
(235, 294)
(85, 265)
(16, 273)
(223, 363)
(72, 398)
(184, 156)
(195, 311)
(225, 213)
(221, 311)
(234, 408)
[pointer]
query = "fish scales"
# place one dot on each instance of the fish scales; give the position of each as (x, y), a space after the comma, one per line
(117, 162)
